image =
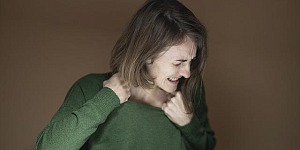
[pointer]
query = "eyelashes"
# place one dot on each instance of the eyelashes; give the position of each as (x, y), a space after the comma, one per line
(177, 64)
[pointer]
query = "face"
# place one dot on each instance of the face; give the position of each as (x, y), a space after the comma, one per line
(171, 65)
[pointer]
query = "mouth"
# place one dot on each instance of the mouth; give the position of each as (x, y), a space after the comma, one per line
(173, 80)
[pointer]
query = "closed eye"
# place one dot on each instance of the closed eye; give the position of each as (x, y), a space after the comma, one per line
(182, 60)
(177, 63)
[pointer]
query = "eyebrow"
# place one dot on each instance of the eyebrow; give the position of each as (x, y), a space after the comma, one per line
(184, 60)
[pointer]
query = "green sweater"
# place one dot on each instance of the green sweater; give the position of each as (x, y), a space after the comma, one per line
(92, 117)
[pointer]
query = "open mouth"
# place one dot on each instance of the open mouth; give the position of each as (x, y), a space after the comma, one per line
(173, 80)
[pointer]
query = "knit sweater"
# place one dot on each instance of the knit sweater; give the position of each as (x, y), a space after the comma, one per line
(91, 117)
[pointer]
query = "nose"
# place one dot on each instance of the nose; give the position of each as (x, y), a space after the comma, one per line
(185, 71)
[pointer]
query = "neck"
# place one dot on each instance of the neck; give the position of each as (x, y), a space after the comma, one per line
(154, 97)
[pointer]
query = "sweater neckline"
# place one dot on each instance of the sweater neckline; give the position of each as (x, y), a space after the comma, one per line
(144, 105)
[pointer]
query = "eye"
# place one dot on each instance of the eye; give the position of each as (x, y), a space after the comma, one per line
(177, 64)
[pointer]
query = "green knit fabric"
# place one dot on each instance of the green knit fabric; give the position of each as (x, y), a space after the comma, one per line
(91, 117)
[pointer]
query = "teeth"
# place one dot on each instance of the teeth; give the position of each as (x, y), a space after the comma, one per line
(173, 79)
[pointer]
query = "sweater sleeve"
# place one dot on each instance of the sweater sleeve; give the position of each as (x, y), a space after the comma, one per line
(198, 133)
(78, 117)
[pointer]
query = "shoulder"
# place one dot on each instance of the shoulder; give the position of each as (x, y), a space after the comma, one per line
(91, 84)
(95, 78)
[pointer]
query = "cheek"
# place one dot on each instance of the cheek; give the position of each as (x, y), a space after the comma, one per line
(162, 71)
(152, 70)
(169, 72)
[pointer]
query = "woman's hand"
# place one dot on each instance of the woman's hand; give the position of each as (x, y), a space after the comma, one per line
(175, 110)
(119, 86)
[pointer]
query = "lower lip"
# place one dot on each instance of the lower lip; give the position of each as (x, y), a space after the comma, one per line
(174, 82)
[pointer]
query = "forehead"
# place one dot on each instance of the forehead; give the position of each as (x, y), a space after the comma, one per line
(185, 50)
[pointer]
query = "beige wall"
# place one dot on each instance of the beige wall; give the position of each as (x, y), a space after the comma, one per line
(252, 76)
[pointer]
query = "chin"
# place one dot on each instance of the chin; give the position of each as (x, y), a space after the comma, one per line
(169, 90)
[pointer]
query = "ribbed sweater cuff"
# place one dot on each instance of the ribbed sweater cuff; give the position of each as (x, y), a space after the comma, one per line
(192, 128)
(105, 101)
(107, 98)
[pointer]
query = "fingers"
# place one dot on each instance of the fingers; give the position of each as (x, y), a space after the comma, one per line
(174, 109)
(164, 105)
(167, 108)
(119, 86)
(170, 95)
(176, 98)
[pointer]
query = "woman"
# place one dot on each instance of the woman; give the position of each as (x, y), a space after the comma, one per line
(154, 96)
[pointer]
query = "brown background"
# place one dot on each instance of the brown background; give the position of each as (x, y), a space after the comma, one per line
(252, 76)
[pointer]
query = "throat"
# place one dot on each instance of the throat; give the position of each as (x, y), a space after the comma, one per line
(153, 97)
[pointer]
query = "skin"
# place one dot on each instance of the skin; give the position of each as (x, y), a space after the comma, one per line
(119, 86)
(172, 63)
(166, 69)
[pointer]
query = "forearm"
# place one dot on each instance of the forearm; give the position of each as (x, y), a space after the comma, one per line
(74, 127)
(199, 135)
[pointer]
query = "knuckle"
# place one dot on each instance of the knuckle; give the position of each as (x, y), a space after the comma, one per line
(178, 94)
(173, 99)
